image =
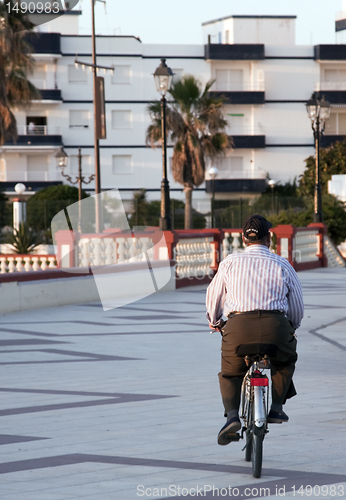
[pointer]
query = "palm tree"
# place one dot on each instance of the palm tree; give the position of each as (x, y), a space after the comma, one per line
(195, 125)
(15, 64)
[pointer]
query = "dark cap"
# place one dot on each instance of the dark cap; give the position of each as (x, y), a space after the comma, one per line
(256, 227)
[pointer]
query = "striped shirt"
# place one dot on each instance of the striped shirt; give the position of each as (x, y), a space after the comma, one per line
(255, 279)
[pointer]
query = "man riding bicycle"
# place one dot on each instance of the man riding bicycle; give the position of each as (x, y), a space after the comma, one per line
(260, 295)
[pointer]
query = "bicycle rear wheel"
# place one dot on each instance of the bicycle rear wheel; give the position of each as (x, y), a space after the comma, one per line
(257, 454)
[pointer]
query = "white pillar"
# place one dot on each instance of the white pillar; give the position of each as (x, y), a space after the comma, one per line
(19, 213)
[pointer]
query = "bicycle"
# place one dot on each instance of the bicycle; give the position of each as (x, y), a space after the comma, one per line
(254, 402)
(254, 406)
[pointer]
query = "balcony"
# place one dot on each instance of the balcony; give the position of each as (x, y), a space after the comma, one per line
(44, 43)
(244, 180)
(46, 94)
(241, 185)
(39, 177)
(330, 52)
(37, 135)
(334, 92)
(329, 140)
(247, 138)
(234, 52)
(241, 92)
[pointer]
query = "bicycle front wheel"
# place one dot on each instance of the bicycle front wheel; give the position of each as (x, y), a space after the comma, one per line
(257, 454)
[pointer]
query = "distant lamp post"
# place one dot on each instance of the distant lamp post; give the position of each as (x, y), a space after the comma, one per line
(62, 159)
(319, 112)
(213, 172)
(272, 185)
(19, 206)
(163, 78)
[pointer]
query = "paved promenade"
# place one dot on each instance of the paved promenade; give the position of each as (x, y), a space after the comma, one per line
(125, 404)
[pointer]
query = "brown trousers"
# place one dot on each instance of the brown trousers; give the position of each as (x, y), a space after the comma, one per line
(264, 327)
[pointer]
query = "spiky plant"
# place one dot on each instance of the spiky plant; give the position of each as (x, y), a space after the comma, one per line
(23, 239)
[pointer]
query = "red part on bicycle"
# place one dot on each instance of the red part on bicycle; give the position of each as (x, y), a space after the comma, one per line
(259, 382)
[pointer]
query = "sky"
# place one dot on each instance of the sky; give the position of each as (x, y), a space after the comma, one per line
(179, 21)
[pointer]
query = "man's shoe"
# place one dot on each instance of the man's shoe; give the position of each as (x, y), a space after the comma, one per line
(228, 431)
(277, 417)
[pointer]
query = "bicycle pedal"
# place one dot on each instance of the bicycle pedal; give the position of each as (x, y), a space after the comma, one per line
(234, 437)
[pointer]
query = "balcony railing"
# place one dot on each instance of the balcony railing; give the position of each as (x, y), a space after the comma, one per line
(245, 130)
(340, 15)
(27, 176)
(321, 86)
(39, 83)
(246, 86)
(240, 174)
(38, 130)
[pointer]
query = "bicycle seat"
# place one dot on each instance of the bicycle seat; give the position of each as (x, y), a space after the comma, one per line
(257, 350)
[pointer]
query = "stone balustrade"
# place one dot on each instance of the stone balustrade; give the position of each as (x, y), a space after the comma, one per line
(13, 263)
(306, 246)
(194, 257)
(112, 250)
(233, 246)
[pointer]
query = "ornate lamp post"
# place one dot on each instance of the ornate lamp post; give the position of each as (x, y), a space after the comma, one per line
(163, 78)
(62, 159)
(213, 172)
(319, 112)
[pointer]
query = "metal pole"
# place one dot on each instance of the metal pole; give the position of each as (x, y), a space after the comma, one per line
(98, 214)
(80, 180)
(165, 218)
(212, 201)
(318, 215)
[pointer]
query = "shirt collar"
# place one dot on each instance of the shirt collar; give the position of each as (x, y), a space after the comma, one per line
(257, 248)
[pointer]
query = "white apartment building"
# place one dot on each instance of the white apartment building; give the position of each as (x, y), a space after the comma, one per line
(265, 78)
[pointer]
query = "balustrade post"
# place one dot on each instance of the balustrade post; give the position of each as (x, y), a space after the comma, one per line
(322, 231)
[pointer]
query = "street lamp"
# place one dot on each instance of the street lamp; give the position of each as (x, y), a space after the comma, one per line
(272, 185)
(213, 172)
(163, 78)
(319, 112)
(19, 206)
(62, 159)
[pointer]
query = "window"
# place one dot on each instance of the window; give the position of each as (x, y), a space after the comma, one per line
(231, 167)
(77, 75)
(86, 164)
(227, 36)
(236, 123)
(334, 79)
(121, 74)
(79, 118)
(122, 164)
(122, 119)
(37, 167)
(220, 37)
(229, 79)
(39, 77)
(336, 124)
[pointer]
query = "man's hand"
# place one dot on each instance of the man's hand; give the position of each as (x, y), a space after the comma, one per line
(217, 328)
